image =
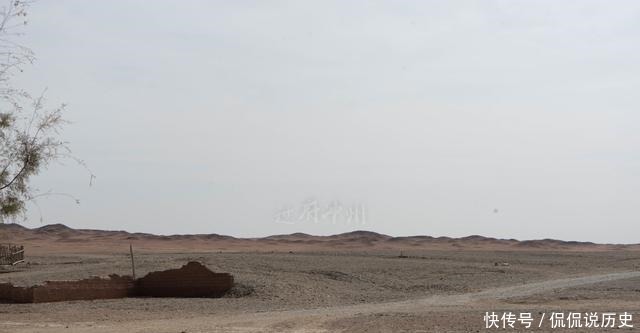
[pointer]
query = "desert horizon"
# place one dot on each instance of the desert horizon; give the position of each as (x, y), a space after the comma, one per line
(60, 236)
(333, 166)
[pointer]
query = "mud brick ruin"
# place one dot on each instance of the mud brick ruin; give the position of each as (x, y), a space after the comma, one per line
(192, 280)
(54, 291)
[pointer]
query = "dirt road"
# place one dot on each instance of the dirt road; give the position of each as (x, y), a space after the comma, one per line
(313, 320)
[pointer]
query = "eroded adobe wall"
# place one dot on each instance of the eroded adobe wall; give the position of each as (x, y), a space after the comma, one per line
(12, 294)
(56, 291)
(88, 289)
(192, 280)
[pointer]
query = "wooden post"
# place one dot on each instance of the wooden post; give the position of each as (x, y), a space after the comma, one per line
(133, 265)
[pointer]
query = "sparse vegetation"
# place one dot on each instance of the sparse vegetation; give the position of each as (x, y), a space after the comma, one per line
(29, 130)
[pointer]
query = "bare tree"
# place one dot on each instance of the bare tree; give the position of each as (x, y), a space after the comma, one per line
(29, 131)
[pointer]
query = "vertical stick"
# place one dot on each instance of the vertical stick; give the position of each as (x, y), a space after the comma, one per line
(133, 265)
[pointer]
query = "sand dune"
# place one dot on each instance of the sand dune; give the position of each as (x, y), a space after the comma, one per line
(58, 237)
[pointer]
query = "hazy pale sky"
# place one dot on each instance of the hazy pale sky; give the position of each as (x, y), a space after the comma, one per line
(511, 119)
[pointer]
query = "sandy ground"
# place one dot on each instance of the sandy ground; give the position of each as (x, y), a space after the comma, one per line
(339, 291)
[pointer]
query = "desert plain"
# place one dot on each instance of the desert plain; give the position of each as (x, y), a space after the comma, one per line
(354, 282)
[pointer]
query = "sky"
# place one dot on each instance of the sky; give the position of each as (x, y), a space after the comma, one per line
(509, 119)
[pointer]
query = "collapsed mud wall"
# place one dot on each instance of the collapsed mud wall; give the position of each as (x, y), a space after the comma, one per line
(54, 291)
(95, 288)
(192, 280)
(9, 293)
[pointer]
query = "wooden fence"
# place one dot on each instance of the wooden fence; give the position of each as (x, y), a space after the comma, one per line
(11, 254)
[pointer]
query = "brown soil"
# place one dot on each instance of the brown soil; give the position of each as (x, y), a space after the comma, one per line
(360, 286)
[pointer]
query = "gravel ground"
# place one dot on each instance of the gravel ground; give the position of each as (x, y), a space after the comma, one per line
(268, 282)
